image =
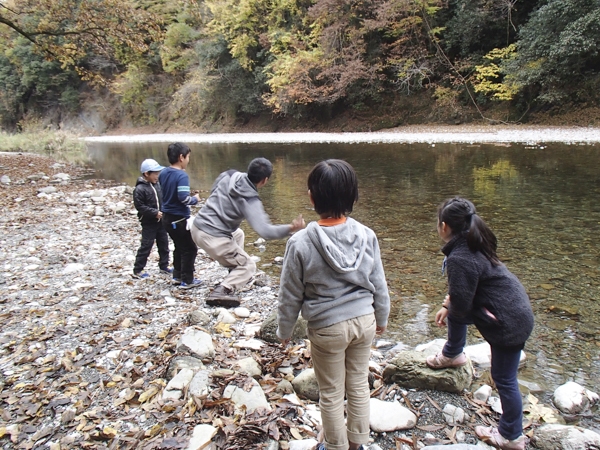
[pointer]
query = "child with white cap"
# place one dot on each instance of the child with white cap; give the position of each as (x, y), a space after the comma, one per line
(147, 198)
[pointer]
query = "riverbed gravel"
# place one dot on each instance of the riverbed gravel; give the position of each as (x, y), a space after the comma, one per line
(85, 348)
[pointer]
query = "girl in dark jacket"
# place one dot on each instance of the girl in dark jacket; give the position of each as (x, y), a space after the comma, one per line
(482, 291)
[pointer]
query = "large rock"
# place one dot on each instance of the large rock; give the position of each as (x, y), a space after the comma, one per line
(305, 385)
(572, 398)
(197, 343)
(268, 330)
(565, 437)
(390, 416)
(408, 369)
(247, 400)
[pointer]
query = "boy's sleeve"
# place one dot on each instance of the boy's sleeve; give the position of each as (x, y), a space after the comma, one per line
(291, 292)
(381, 296)
(258, 219)
(183, 190)
(142, 203)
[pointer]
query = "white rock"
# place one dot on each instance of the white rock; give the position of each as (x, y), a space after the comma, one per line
(495, 404)
(483, 393)
(251, 330)
(73, 267)
(453, 415)
(305, 444)
(196, 342)
(572, 398)
(201, 437)
(226, 317)
(199, 386)
(253, 344)
(181, 380)
(140, 342)
(390, 416)
(171, 395)
(249, 366)
(250, 400)
(242, 312)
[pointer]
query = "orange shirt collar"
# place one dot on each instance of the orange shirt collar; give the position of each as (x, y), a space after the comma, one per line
(331, 222)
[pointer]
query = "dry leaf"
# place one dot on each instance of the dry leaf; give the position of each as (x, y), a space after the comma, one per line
(148, 394)
(296, 433)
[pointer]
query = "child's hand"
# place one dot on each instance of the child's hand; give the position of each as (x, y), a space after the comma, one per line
(379, 330)
(440, 317)
(297, 224)
(159, 215)
(284, 342)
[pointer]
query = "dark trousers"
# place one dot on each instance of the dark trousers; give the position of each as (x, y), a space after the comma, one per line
(184, 255)
(152, 232)
(505, 364)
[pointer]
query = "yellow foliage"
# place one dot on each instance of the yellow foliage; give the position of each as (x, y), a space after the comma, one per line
(491, 80)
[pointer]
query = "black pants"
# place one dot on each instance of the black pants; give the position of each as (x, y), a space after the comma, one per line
(152, 232)
(184, 255)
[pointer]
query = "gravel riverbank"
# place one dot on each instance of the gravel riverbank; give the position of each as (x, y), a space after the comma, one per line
(85, 350)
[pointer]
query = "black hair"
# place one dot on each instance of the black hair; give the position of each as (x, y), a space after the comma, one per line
(259, 169)
(175, 150)
(333, 187)
(460, 215)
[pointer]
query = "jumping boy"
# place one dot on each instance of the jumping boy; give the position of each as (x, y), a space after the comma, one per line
(176, 210)
(147, 198)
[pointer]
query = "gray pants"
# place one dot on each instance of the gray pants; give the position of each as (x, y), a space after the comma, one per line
(229, 252)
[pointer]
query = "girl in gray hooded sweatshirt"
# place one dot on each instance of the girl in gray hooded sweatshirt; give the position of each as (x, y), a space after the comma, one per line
(332, 273)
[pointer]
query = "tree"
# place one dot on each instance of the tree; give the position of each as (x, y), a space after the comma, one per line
(559, 48)
(69, 31)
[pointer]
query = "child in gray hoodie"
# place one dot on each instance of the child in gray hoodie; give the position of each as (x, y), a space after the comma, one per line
(332, 272)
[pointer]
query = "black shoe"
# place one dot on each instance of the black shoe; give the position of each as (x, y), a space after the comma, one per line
(222, 296)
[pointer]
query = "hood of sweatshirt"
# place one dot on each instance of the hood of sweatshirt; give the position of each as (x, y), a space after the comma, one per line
(241, 186)
(341, 246)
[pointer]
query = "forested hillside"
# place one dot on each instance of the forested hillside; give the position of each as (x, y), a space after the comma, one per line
(218, 64)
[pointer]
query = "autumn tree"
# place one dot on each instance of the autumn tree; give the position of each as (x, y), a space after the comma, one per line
(90, 35)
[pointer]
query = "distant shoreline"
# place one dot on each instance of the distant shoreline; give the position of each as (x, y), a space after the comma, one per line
(471, 134)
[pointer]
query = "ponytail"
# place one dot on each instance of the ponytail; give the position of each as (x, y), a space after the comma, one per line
(462, 218)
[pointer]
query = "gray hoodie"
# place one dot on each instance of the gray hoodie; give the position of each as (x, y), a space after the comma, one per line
(332, 274)
(234, 198)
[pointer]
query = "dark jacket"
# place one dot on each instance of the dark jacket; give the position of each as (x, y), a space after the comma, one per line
(147, 199)
(489, 296)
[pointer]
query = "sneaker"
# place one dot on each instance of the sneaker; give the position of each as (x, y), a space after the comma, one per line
(139, 275)
(491, 436)
(440, 361)
(193, 284)
(176, 281)
(167, 271)
(222, 296)
(320, 447)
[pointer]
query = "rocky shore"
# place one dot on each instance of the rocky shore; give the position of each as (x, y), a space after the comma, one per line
(91, 358)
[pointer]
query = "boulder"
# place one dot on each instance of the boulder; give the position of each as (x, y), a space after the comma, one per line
(268, 330)
(409, 370)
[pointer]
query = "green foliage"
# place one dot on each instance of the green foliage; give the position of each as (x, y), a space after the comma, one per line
(177, 51)
(558, 48)
(219, 89)
(32, 84)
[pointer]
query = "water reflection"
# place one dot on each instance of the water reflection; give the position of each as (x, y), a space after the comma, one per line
(542, 202)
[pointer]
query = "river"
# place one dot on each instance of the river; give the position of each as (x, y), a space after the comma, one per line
(538, 189)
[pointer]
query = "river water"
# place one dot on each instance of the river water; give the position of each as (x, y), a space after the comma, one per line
(540, 198)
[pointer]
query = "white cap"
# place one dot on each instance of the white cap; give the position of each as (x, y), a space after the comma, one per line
(150, 165)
